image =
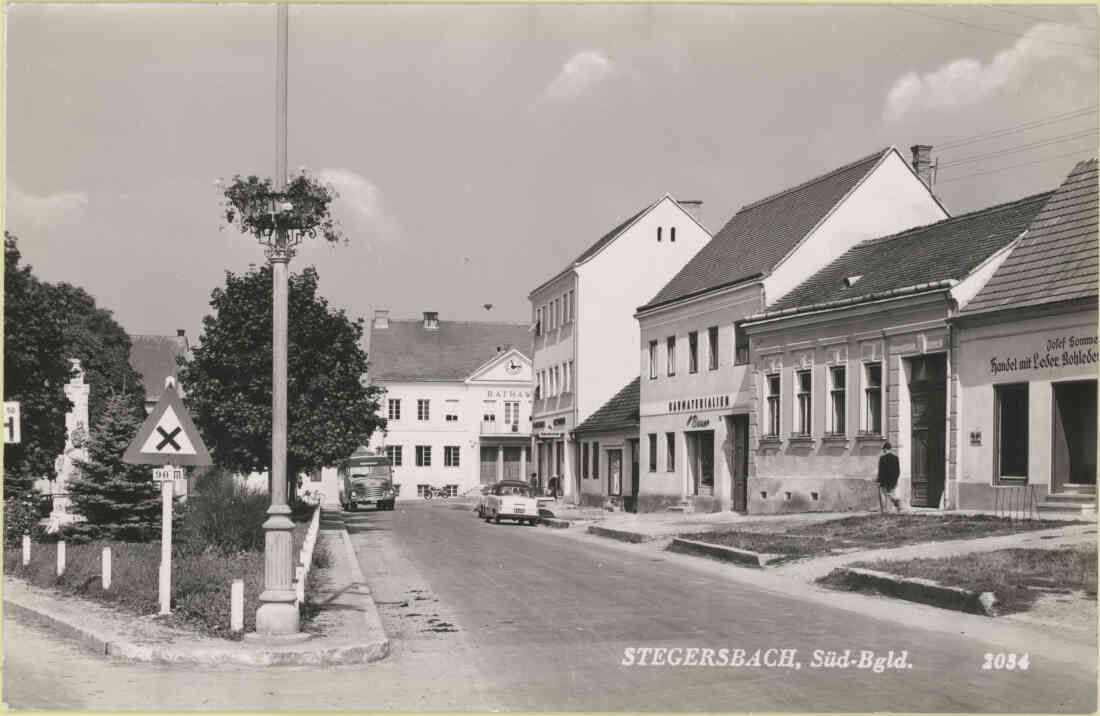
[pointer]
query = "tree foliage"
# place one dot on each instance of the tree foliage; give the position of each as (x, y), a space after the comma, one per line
(35, 373)
(228, 383)
(117, 500)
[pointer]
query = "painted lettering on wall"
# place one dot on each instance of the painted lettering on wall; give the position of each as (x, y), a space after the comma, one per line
(506, 394)
(1062, 352)
(695, 421)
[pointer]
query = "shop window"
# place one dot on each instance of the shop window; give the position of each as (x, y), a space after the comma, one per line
(584, 461)
(804, 383)
(394, 409)
(872, 398)
(693, 352)
(712, 347)
(836, 401)
(1012, 431)
(423, 409)
(653, 360)
(670, 448)
(670, 358)
(740, 346)
(771, 417)
(423, 455)
(450, 455)
(393, 452)
(653, 452)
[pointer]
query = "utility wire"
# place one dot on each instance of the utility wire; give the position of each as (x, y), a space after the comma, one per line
(1019, 148)
(1016, 166)
(982, 27)
(999, 8)
(1054, 119)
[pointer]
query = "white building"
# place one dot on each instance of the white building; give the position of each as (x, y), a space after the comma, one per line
(586, 337)
(457, 402)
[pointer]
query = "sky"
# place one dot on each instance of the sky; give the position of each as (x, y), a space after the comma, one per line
(477, 150)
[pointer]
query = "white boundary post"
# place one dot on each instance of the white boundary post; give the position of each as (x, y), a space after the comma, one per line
(26, 550)
(167, 485)
(106, 568)
(236, 606)
(60, 557)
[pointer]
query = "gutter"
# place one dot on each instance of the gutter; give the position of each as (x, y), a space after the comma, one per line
(928, 287)
(641, 311)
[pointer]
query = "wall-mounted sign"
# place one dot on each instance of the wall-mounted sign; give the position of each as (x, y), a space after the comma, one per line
(539, 424)
(559, 421)
(710, 402)
(1059, 352)
(695, 421)
(975, 437)
(508, 394)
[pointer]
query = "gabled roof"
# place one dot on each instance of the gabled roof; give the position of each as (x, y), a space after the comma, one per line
(1057, 259)
(946, 250)
(621, 412)
(154, 357)
(760, 234)
(407, 351)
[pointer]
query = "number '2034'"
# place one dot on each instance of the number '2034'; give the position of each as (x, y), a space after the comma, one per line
(1006, 661)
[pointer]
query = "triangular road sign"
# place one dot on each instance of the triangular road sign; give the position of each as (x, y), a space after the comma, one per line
(167, 437)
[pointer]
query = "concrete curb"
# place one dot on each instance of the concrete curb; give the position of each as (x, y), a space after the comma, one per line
(924, 591)
(555, 522)
(722, 552)
(621, 535)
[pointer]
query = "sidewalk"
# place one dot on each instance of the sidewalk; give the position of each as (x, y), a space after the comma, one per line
(350, 630)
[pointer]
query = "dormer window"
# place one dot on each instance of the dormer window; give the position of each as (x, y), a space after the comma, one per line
(852, 280)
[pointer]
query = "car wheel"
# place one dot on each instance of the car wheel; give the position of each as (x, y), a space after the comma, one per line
(496, 517)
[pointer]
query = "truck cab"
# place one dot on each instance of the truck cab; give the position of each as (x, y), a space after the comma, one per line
(367, 481)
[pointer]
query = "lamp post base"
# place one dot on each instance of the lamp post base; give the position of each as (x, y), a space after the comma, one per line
(277, 614)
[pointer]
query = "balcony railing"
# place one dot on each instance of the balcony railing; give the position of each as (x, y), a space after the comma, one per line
(492, 427)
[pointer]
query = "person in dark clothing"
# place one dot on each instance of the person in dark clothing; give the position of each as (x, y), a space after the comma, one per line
(888, 471)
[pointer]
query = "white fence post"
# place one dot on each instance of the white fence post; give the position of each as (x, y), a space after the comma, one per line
(60, 557)
(236, 606)
(106, 568)
(26, 550)
(165, 587)
(300, 584)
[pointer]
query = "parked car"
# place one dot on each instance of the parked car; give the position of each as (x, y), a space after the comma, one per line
(509, 500)
(362, 490)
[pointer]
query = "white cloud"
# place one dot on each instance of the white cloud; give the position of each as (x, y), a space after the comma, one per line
(580, 73)
(360, 208)
(1046, 54)
(30, 211)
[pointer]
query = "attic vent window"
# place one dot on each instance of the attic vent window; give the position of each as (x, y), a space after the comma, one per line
(852, 280)
(659, 233)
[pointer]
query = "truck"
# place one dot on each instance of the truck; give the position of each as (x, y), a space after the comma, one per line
(367, 480)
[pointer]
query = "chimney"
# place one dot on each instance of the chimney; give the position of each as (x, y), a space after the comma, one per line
(922, 162)
(693, 207)
(431, 321)
(381, 318)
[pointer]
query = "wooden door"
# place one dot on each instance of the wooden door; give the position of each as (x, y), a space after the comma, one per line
(740, 471)
(704, 453)
(488, 465)
(614, 472)
(630, 504)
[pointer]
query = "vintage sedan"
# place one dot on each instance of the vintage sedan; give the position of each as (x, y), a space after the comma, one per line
(509, 500)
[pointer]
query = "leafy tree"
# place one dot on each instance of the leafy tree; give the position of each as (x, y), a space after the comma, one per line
(330, 412)
(35, 373)
(117, 500)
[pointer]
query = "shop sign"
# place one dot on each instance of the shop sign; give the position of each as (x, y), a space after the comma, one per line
(508, 394)
(694, 421)
(559, 421)
(1068, 351)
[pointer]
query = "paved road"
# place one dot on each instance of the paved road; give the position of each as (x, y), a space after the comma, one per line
(547, 619)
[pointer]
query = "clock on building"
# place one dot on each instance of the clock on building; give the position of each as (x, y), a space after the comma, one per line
(513, 367)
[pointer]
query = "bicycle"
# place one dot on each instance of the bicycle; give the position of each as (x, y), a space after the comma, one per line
(436, 492)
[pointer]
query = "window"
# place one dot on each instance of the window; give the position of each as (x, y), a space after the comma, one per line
(511, 412)
(423, 409)
(712, 346)
(557, 313)
(584, 460)
(489, 411)
(771, 419)
(450, 456)
(422, 490)
(872, 398)
(672, 234)
(572, 306)
(394, 411)
(595, 461)
(451, 411)
(693, 352)
(538, 322)
(393, 452)
(658, 233)
(1012, 431)
(567, 369)
(670, 447)
(804, 382)
(557, 379)
(653, 360)
(671, 357)
(740, 346)
(653, 452)
(836, 424)
(423, 455)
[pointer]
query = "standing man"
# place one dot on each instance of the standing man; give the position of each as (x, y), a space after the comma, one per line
(888, 471)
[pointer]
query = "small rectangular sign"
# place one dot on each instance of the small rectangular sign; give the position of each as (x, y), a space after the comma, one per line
(12, 432)
(167, 474)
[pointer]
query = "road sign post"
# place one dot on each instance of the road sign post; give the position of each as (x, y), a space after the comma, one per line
(12, 429)
(166, 476)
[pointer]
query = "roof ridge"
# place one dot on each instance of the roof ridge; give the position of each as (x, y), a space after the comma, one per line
(809, 182)
(478, 323)
(958, 217)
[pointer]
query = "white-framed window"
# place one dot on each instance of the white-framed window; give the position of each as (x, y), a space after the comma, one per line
(569, 377)
(712, 347)
(422, 490)
(771, 405)
(538, 322)
(837, 414)
(393, 411)
(584, 461)
(511, 412)
(572, 306)
(693, 351)
(670, 357)
(393, 452)
(804, 400)
(740, 346)
(1012, 417)
(489, 411)
(450, 455)
(871, 421)
(653, 452)
(653, 360)
(670, 452)
(423, 455)
(557, 380)
(450, 410)
(423, 409)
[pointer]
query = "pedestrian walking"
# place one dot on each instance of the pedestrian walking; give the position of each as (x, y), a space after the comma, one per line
(888, 471)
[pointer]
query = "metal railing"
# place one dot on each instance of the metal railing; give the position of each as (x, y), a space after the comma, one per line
(1015, 502)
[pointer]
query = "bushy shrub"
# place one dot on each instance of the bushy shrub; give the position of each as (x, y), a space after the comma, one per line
(226, 516)
(21, 516)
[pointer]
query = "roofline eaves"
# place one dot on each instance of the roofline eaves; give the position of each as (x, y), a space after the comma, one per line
(918, 289)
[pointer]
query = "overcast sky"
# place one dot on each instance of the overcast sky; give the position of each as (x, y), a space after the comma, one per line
(478, 149)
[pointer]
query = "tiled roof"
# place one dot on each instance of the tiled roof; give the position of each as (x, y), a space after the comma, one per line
(155, 358)
(760, 234)
(1057, 258)
(948, 249)
(621, 412)
(408, 351)
(603, 241)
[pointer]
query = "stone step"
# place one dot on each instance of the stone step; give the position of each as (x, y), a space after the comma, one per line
(1071, 498)
(1077, 490)
(1067, 508)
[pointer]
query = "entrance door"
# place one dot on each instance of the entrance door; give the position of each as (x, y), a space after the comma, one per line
(701, 455)
(1074, 448)
(614, 472)
(928, 405)
(511, 463)
(630, 504)
(488, 465)
(740, 471)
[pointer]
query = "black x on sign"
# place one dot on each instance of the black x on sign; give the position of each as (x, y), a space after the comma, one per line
(168, 437)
